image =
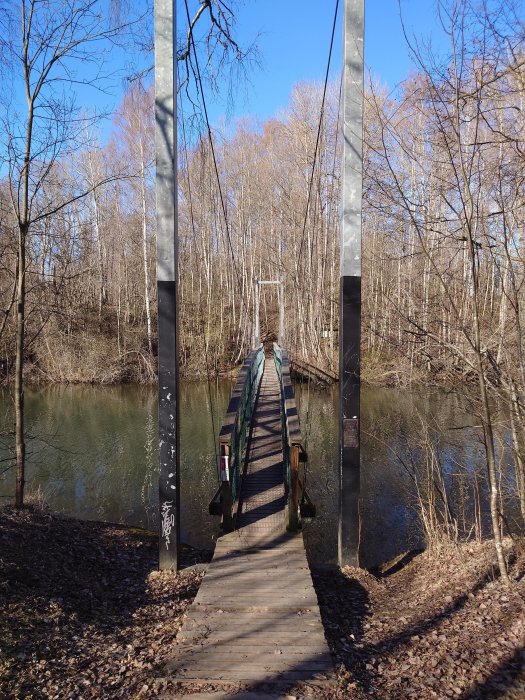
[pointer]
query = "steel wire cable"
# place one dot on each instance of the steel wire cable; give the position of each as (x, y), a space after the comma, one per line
(318, 138)
(307, 427)
(214, 158)
(203, 333)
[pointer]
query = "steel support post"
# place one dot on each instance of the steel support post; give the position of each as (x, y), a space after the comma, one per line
(257, 332)
(350, 283)
(166, 194)
(280, 339)
(293, 497)
(226, 490)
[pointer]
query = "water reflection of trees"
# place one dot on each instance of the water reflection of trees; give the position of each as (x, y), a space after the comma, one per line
(106, 464)
(423, 475)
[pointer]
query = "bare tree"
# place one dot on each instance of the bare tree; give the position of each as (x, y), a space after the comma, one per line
(58, 44)
(440, 180)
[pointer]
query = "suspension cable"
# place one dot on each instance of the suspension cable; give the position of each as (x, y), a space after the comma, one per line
(216, 168)
(203, 332)
(321, 116)
(307, 427)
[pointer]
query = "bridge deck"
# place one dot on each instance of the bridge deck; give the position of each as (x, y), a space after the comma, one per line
(262, 502)
(256, 618)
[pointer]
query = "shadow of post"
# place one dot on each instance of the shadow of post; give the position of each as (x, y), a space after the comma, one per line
(345, 606)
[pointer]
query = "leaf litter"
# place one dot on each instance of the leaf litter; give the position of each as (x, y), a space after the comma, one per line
(85, 614)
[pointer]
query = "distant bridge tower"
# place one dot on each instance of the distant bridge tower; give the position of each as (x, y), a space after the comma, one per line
(280, 302)
(350, 287)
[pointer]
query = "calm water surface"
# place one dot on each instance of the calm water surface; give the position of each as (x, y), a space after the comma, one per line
(93, 453)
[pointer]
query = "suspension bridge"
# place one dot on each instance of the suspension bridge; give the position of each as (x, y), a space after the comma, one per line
(256, 619)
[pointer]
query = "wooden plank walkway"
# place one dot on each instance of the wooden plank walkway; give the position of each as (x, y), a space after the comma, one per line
(255, 619)
(262, 502)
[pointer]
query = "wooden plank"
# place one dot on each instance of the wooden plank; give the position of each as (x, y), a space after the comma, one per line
(263, 603)
(243, 537)
(249, 606)
(236, 662)
(255, 587)
(218, 695)
(282, 636)
(259, 624)
(251, 555)
(253, 643)
(265, 544)
(262, 597)
(253, 638)
(262, 620)
(294, 569)
(242, 547)
(286, 632)
(285, 561)
(288, 646)
(315, 641)
(243, 579)
(276, 660)
(242, 675)
(222, 617)
(294, 589)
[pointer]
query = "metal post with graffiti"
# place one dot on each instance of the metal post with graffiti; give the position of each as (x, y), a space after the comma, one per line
(166, 195)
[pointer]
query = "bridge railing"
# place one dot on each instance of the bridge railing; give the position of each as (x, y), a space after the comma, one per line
(293, 449)
(234, 436)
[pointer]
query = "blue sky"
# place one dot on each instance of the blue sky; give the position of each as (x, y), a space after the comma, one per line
(294, 38)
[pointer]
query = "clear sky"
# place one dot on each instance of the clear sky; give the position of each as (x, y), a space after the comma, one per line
(294, 39)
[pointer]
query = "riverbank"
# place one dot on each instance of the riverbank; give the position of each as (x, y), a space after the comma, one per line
(85, 614)
(138, 367)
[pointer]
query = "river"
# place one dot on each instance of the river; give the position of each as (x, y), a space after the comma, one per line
(92, 454)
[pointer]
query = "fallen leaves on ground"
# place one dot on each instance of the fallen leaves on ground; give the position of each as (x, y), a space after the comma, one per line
(84, 614)
(445, 626)
(83, 611)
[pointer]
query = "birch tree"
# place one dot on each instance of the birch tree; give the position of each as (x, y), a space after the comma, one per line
(48, 45)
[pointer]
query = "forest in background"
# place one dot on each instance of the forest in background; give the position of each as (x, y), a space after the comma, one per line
(443, 157)
(443, 232)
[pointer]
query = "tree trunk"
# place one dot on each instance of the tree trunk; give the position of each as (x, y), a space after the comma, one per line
(145, 246)
(20, 448)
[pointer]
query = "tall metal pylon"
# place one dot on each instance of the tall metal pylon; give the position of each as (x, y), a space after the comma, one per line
(168, 369)
(350, 282)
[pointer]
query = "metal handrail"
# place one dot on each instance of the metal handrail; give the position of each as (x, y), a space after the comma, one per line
(293, 449)
(233, 436)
